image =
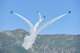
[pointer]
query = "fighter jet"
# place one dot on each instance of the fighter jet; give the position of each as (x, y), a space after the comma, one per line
(69, 12)
(43, 16)
(11, 12)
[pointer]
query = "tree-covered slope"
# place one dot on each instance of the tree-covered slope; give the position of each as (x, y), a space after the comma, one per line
(11, 40)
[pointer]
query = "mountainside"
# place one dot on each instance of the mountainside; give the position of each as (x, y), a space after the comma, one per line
(11, 40)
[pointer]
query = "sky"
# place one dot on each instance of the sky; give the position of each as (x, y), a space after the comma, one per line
(69, 24)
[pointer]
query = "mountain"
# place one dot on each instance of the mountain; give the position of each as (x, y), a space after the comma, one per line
(11, 40)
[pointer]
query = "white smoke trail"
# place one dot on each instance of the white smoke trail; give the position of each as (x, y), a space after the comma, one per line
(34, 34)
(50, 22)
(26, 20)
(39, 14)
(30, 40)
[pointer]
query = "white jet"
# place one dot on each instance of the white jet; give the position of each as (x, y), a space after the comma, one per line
(35, 30)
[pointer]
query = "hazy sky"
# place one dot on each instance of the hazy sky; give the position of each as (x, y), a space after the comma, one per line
(70, 24)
